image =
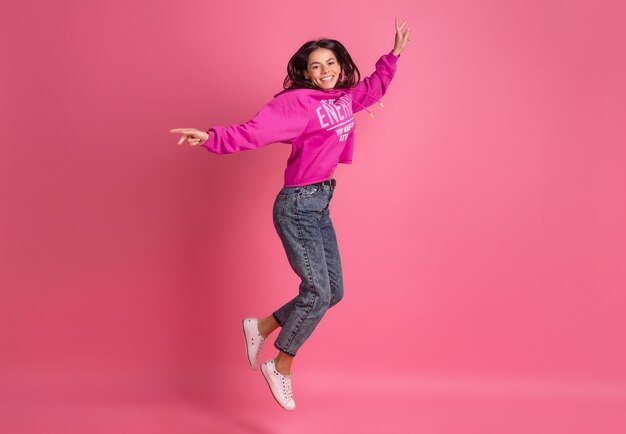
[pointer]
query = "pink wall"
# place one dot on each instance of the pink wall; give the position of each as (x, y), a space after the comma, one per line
(481, 225)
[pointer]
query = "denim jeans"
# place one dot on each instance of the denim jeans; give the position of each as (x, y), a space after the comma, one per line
(302, 220)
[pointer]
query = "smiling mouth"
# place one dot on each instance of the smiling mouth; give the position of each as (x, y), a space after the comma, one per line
(327, 79)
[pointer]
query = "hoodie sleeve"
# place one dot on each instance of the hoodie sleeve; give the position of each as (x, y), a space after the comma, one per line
(372, 88)
(283, 119)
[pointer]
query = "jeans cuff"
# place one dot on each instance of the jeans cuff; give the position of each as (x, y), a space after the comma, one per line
(284, 351)
(276, 318)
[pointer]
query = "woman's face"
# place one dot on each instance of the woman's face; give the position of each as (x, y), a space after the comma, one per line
(322, 69)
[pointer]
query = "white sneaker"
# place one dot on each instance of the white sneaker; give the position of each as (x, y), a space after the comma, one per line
(254, 340)
(280, 385)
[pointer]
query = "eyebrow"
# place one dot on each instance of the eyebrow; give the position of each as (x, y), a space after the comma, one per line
(319, 63)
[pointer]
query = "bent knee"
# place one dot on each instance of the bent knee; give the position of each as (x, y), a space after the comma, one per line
(325, 299)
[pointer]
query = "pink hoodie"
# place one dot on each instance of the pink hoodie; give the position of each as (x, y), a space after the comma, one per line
(319, 124)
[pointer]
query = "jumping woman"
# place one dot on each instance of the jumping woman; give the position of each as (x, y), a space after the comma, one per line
(314, 113)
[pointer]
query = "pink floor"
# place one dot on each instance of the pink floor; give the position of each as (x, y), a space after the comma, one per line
(343, 404)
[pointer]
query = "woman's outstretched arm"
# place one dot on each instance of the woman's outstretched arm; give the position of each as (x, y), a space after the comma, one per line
(369, 90)
(281, 120)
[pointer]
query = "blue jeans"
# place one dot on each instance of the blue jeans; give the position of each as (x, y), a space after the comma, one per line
(302, 220)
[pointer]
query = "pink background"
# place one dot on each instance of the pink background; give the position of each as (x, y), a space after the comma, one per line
(481, 225)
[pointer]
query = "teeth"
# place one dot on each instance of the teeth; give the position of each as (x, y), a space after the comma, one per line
(327, 78)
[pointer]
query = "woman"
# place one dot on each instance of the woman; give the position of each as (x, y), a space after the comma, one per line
(314, 113)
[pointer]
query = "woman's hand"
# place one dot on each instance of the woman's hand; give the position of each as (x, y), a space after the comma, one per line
(401, 38)
(193, 136)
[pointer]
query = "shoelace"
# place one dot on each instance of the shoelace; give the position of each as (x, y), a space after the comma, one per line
(261, 341)
(287, 387)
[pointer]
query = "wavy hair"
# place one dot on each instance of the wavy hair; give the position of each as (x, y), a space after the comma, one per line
(298, 63)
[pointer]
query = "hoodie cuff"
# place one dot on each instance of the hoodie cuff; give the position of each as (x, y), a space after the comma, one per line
(393, 55)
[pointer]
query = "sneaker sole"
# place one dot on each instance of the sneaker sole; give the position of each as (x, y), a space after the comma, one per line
(245, 341)
(265, 375)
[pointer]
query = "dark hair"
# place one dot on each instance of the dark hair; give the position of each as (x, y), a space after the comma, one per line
(297, 65)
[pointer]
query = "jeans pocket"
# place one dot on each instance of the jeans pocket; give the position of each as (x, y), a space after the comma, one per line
(315, 201)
